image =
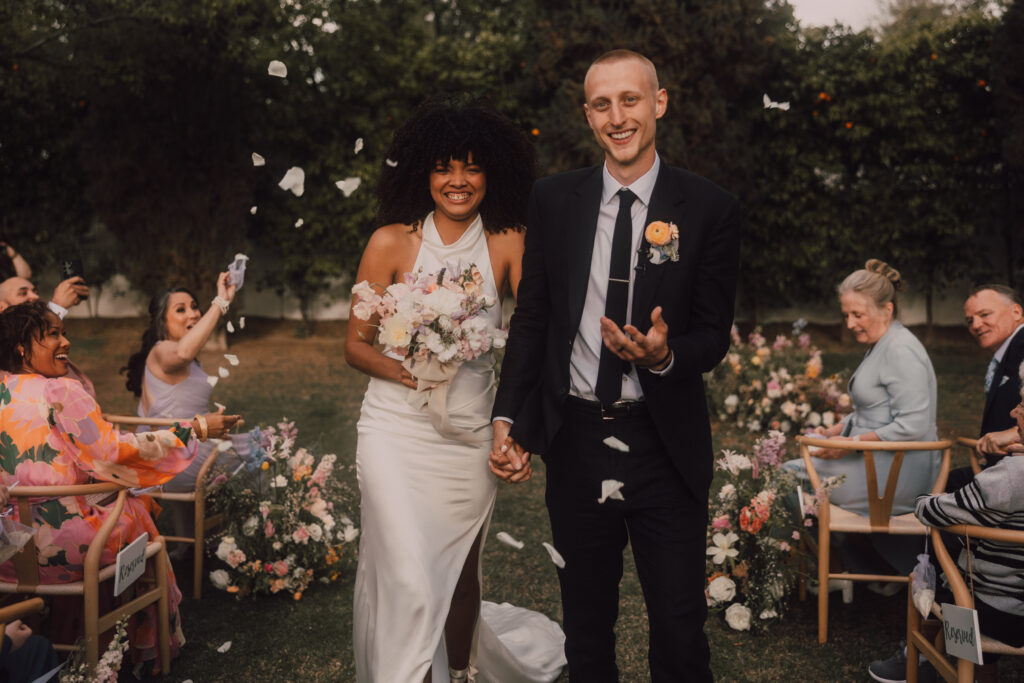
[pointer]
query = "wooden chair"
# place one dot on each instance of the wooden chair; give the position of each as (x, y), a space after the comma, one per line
(197, 497)
(925, 637)
(27, 571)
(970, 444)
(19, 610)
(832, 518)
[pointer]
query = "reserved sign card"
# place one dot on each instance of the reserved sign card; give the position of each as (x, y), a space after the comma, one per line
(963, 637)
(131, 563)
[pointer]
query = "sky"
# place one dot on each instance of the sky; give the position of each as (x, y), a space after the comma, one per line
(856, 14)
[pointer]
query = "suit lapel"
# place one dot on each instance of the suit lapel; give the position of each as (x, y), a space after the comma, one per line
(581, 229)
(665, 206)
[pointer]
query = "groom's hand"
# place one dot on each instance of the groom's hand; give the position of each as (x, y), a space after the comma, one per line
(508, 461)
(630, 344)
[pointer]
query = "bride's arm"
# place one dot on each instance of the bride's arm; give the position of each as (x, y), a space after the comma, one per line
(378, 266)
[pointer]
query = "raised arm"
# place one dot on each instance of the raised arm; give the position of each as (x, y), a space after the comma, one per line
(173, 356)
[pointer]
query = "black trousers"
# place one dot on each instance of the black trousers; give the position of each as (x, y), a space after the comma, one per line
(664, 524)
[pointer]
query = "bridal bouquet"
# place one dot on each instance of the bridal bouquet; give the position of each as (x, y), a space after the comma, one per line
(436, 322)
(285, 524)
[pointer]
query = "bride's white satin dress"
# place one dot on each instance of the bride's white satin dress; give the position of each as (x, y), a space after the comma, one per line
(425, 499)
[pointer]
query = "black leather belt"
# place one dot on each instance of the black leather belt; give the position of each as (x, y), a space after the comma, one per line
(615, 411)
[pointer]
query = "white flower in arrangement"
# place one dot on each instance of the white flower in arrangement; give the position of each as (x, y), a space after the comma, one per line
(328, 521)
(768, 614)
(396, 332)
(279, 482)
(250, 525)
(227, 544)
(349, 533)
(443, 301)
(788, 409)
(315, 532)
(785, 426)
(804, 409)
(277, 545)
(726, 492)
(738, 617)
(721, 547)
(733, 462)
(814, 419)
(731, 401)
(828, 418)
(722, 589)
(843, 401)
(754, 425)
(220, 579)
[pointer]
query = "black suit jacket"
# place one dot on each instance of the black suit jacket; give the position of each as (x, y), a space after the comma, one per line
(696, 293)
(1004, 395)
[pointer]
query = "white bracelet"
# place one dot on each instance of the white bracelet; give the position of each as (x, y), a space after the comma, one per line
(221, 303)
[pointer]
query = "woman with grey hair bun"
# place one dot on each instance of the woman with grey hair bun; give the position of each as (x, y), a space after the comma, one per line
(894, 397)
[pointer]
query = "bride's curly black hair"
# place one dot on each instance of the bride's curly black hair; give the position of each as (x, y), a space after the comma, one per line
(443, 129)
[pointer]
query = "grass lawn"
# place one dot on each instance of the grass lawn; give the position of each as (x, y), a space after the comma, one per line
(306, 379)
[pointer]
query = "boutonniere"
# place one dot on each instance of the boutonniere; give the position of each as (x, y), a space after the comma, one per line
(663, 239)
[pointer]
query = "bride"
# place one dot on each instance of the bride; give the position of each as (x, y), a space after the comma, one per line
(452, 194)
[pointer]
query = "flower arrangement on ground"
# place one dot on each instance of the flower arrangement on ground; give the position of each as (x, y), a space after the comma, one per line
(286, 525)
(752, 535)
(432, 315)
(107, 668)
(780, 386)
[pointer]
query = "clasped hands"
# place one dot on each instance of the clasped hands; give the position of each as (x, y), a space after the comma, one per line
(511, 462)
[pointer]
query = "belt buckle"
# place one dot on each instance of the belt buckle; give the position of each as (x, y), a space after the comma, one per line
(607, 418)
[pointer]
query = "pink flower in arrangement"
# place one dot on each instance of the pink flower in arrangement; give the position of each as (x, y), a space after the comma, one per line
(268, 567)
(781, 342)
(281, 568)
(804, 340)
(268, 529)
(235, 558)
(301, 535)
(220, 479)
(796, 535)
(721, 522)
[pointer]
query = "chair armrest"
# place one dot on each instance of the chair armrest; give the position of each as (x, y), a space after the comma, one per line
(19, 610)
(970, 444)
(99, 542)
(135, 420)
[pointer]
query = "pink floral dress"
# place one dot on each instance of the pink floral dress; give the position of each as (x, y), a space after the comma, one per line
(52, 433)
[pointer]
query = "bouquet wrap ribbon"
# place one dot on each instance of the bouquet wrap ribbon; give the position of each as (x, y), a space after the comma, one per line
(431, 393)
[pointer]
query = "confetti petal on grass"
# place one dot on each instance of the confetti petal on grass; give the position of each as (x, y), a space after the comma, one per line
(294, 180)
(252, 210)
(612, 442)
(257, 160)
(508, 540)
(223, 371)
(610, 490)
(212, 380)
(556, 556)
(241, 323)
(391, 163)
(359, 145)
(277, 68)
(298, 223)
(225, 647)
(348, 185)
(231, 328)
(231, 358)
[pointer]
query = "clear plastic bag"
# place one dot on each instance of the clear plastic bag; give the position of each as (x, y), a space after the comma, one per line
(13, 537)
(922, 585)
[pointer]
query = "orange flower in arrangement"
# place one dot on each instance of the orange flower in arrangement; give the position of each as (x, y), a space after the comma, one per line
(741, 570)
(297, 595)
(658, 233)
(934, 56)
(535, 132)
(232, 589)
(982, 83)
(849, 124)
(824, 96)
(750, 522)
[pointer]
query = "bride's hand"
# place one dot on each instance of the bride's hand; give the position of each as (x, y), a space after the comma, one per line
(403, 376)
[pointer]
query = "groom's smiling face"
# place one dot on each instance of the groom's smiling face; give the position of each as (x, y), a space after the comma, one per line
(623, 105)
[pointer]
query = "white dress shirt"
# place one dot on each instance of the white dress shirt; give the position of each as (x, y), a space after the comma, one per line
(586, 348)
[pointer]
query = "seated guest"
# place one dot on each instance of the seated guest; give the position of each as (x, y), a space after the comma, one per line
(168, 380)
(70, 292)
(894, 399)
(994, 498)
(55, 435)
(12, 263)
(24, 656)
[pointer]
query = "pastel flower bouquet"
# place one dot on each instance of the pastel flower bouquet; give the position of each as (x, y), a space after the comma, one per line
(752, 535)
(436, 322)
(285, 520)
(780, 386)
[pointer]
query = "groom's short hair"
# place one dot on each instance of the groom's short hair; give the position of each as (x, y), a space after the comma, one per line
(622, 55)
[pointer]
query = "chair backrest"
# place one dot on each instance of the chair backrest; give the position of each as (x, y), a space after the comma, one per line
(957, 584)
(26, 566)
(879, 506)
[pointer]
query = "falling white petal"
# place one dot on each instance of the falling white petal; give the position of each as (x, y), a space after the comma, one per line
(277, 68)
(231, 328)
(223, 371)
(212, 380)
(225, 647)
(508, 540)
(769, 104)
(612, 442)
(556, 556)
(391, 163)
(220, 406)
(611, 490)
(294, 180)
(231, 358)
(257, 160)
(767, 101)
(784, 106)
(252, 210)
(429, 16)
(359, 145)
(298, 223)
(241, 323)
(348, 185)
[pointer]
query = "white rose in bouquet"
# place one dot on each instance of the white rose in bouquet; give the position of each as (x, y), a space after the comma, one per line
(227, 544)
(395, 331)
(722, 589)
(220, 579)
(738, 617)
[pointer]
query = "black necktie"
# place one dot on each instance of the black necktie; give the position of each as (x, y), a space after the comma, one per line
(611, 367)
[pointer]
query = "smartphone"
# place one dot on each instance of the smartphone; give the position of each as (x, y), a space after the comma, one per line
(71, 267)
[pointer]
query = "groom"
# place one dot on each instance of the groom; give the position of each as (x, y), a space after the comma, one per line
(617, 317)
